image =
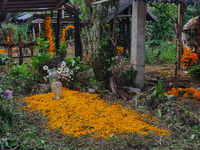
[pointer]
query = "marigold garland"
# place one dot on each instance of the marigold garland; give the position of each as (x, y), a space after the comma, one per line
(188, 92)
(2, 50)
(48, 35)
(188, 58)
(64, 30)
(84, 113)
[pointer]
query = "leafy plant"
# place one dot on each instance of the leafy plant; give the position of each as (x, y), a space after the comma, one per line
(167, 52)
(6, 114)
(20, 71)
(194, 70)
(4, 60)
(63, 47)
(158, 90)
(42, 45)
(40, 60)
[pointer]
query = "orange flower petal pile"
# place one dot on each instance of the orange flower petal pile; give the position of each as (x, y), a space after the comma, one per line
(188, 92)
(188, 58)
(82, 113)
(48, 35)
(64, 30)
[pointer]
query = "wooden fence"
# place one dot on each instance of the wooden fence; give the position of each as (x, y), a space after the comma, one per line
(10, 44)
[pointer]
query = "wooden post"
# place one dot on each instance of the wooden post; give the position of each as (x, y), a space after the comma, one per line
(78, 45)
(33, 28)
(10, 49)
(58, 29)
(51, 14)
(179, 43)
(128, 33)
(31, 47)
(40, 30)
(20, 50)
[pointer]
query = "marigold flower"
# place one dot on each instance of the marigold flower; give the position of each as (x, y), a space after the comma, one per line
(2, 50)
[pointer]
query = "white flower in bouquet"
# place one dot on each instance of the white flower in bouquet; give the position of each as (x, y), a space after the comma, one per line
(63, 65)
(77, 68)
(73, 62)
(66, 69)
(63, 62)
(59, 71)
(71, 72)
(45, 67)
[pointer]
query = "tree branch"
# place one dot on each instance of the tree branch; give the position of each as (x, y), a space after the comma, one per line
(107, 34)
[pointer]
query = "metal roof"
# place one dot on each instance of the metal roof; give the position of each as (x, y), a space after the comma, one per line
(124, 4)
(185, 2)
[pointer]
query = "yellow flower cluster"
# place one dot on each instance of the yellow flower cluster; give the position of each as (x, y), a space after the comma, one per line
(64, 30)
(188, 92)
(188, 58)
(8, 38)
(2, 50)
(78, 114)
(48, 35)
(168, 73)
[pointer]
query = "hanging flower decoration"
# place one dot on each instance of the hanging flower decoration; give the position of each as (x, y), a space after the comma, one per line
(48, 35)
(188, 58)
(2, 50)
(64, 30)
(8, 38)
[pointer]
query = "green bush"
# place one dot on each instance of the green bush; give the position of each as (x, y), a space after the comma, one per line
(194, 70)
(167, 52)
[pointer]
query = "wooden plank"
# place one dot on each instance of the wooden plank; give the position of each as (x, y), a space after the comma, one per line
(4, 4)
(28, 10)
(98, 2)
(30, 6)
(121, 16)
(31, 2)
(60, 2)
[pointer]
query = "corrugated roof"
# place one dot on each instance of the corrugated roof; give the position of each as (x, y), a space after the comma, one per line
(124, 4)
(185, 2)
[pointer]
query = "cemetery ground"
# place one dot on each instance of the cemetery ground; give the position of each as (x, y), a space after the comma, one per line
(179, 115)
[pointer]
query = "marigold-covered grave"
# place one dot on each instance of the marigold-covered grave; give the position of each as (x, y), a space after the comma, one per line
(80, 114)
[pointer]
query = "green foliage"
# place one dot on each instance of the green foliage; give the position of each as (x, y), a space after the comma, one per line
(63, 47)
(158, 90)
(41, 44)
(165, 27)
(6, 120)
(22, 29)
(4, 59)
(194, 70)
(167, 52)
(20, 71)
(40, 60)
(5, 31)
(130, 73)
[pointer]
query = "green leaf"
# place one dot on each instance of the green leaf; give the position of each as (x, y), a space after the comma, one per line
(159, 113)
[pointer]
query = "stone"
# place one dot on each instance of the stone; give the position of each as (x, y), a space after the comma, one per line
(40, 89)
